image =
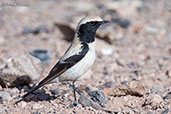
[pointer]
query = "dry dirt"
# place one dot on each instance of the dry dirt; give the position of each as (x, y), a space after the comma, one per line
(133, 64)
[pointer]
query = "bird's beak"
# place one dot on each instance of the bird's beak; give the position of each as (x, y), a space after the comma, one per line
(105, 21)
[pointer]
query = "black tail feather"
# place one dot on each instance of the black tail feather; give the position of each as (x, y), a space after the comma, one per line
(28, 93)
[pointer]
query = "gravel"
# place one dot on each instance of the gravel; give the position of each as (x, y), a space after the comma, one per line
(134, 69)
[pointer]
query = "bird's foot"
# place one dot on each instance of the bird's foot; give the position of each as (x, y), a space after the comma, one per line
(72, 105)
(75, 103)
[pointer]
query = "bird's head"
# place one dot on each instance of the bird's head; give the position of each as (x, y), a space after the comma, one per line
(87, 27)
(91, 23)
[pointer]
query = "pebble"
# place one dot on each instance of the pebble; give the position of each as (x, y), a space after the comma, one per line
(36, 113)
(27, 30)
(5, 96)
(151, 30)
(124, 23)
(38, 30)
(167, 96)
(36, 106)
(22, 104)
(123, 90)
(98, 96)
(108, 84)
(54, 92)
(42, 55)
(165, 111)
(85, 101)
(131, 64)
(107, 51)
(156, 89)
(124, 82)
(43, 96)
(153, 100)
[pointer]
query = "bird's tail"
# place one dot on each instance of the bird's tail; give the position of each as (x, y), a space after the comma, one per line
(27, 94)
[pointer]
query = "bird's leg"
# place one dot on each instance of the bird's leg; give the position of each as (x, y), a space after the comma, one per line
(74, 90)
(75, 98)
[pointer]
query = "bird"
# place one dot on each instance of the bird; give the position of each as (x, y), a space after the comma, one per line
(77, 59)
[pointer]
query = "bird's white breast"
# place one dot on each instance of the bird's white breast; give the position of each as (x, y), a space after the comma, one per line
(81, 67)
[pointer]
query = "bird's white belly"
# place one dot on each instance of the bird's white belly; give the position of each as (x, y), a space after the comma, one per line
(80, 68)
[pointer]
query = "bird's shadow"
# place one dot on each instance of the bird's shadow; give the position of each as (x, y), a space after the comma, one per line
(38, 95)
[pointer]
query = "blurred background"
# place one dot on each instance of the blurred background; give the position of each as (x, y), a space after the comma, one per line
(133, 51)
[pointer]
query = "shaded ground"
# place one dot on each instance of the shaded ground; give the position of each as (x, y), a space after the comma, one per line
(138, 56)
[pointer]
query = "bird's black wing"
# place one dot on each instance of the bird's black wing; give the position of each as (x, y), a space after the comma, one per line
(61, 67)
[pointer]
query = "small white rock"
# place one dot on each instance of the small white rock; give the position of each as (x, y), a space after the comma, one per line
(36, 106)
(107, 51)
(151, 30)
(5, 96)
(154, 99)
(22, 104)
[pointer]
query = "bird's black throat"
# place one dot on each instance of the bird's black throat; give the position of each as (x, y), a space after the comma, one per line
(87, 31)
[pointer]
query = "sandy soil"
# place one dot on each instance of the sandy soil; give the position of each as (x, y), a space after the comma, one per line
(137, 57)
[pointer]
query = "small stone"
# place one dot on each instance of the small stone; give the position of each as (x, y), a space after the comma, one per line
(107, 51)
(165, 111)
(22, 104)
(124, 82)
(123, 90)
(43, 55)
(153, 100)
(156, 89)
(43, 96)
(85, 101)
(55, 92)
(20, 70)
(124, 23)
(131, 64)
(27, 30)
(151, 30)
(167, 96)
(108, 84)
(5, 96)
(36, 113)
(36, 106)
(99, 97)
(38, 30)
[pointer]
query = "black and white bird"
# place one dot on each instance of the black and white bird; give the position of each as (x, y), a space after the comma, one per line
(78, 58)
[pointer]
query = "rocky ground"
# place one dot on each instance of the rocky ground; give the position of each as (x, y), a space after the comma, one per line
(132, 71)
